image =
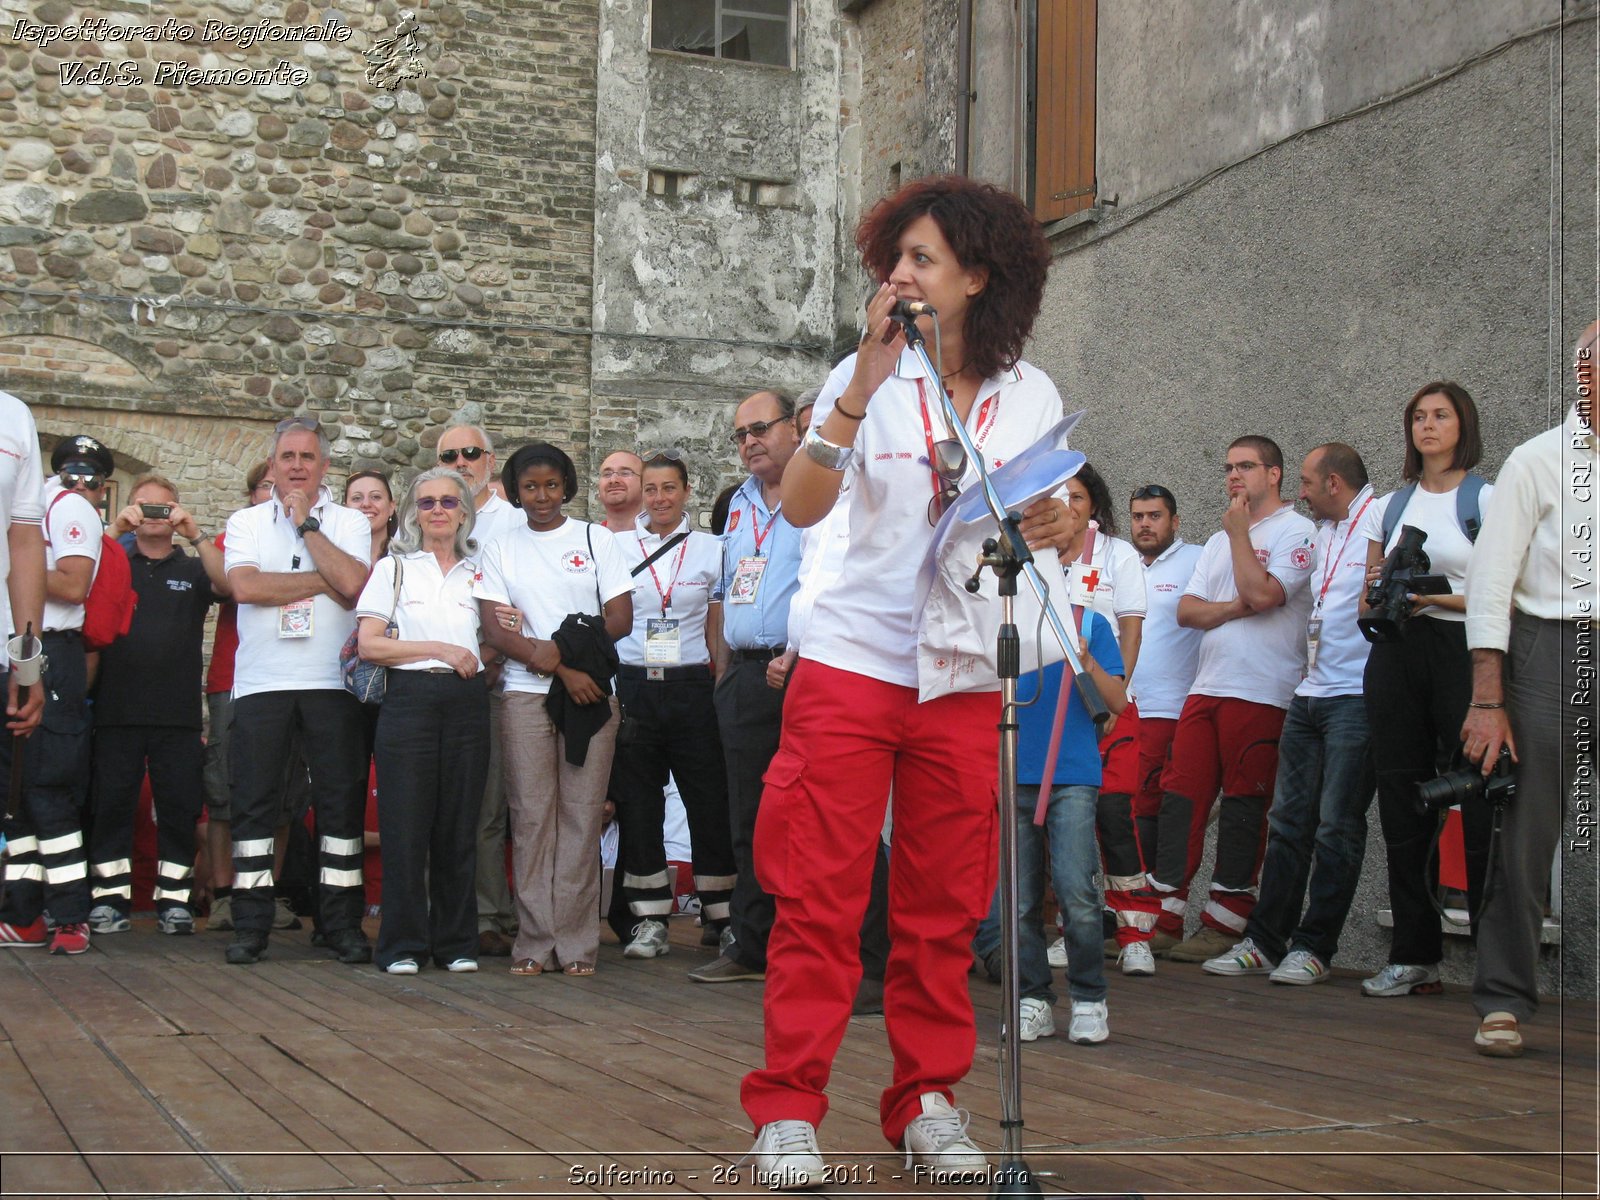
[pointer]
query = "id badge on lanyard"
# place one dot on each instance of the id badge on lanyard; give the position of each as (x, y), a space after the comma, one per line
(297, 619)
(746, 585)
(662, 642)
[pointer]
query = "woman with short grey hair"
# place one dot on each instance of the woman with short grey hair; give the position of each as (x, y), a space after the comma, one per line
(433, 732)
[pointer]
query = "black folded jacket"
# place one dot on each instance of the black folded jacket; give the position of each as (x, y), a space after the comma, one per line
(585, 646)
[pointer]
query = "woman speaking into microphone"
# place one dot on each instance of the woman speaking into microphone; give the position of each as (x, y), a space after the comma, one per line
(853, 726)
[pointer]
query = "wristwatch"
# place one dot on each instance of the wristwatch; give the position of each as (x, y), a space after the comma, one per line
(309, 525)
(199, 539)
(824, 453)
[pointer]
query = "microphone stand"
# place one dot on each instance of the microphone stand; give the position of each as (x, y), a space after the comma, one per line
(1008, 556)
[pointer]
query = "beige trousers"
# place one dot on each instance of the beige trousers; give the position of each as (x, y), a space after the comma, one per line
(555, 832)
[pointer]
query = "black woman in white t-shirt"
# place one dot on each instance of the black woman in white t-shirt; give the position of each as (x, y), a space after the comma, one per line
(1417, 686)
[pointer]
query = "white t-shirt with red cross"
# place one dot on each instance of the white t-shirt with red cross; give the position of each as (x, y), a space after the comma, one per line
(21, 484)
(864, 621)
(1261, 657)
(72, 529)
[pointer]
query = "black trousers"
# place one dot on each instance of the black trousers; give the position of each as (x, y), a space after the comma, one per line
(175, 758)
(1417, 690)
(330, 723)
(749, 718)
(46, 864)
(674, 728)
(432, 752)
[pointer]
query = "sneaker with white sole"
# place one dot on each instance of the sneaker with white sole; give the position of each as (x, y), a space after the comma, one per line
(937, 1145)
(1057, 954)
(1136, 959)
(649, 940)
(1398, 979)
(786, 1156)
(1035, 1020)
(402, 966)
(461, 966)
(1245, 958)
(1301, 967)
(1089, 1023)
(105, 918)
(176, 920)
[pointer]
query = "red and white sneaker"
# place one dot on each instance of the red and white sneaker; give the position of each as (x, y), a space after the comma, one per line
(20, 937)
(70, 939)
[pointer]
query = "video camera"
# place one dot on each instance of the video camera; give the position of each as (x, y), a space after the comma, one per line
(1499, 787)
(1405, 574)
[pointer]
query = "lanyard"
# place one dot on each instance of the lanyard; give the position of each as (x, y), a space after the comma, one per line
(666, 596)
(1333, 565)
(757, 532)
(986, 421)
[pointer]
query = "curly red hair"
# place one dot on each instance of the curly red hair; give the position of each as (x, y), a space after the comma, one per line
(989, 229)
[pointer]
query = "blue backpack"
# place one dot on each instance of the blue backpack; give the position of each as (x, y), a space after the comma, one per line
(1468, 512)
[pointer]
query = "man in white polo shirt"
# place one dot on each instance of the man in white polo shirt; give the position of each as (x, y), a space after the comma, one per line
(297, 564)
(1168, 656)
(1250, 598)
(1317, 829)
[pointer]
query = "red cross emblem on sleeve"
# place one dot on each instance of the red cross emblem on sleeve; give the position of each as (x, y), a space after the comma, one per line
(1092, 579)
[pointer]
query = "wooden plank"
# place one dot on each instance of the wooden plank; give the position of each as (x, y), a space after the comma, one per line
(36, 1150)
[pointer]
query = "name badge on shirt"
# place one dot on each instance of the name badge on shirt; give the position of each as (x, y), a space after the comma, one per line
(662, 642)
(1313, 638)
(295, 619)
(747, 580)
(1082, 580)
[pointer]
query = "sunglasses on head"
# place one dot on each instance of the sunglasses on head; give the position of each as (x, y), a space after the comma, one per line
(1153, 491)
(470, 453)
(429, 503)
(71, 479)
(310, 424)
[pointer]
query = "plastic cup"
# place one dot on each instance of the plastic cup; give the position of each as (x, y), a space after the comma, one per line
(27, 670)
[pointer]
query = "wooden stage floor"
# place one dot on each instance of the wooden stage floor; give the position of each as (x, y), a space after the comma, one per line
(148, 1067)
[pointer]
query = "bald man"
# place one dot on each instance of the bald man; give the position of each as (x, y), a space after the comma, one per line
(1530, 626)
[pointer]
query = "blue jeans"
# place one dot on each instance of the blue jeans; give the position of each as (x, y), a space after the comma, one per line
(1069, 827)
(1317, 827)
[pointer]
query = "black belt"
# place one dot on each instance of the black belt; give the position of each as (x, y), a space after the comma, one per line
(763, 654)
(69, 634)
(665, 674)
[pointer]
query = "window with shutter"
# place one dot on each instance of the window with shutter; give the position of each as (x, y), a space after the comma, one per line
(1063, 108)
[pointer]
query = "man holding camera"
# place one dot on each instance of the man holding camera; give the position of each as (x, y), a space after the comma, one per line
(1530, 626)
(1317, 827)
(147, 711)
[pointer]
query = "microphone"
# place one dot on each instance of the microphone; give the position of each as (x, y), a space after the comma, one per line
(908, 310)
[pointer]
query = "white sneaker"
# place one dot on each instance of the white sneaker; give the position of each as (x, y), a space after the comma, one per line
(105, 918)
(1245, 958)
(1057, 954)
(1088, 1022)
(649, 940)
(462, 966)
(786, 1156)
(937, 1144)
(402, 966)
(1301, 967)
(1036, 1020)
(1136, 959)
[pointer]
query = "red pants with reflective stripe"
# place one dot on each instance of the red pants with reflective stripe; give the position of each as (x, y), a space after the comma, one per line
(846, 740)
(1127, 895)
(1231, 745)
(1155, 746)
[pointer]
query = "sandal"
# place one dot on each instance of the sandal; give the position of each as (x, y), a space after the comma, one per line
(526, 966)
(1498, 1036)
(578, 968)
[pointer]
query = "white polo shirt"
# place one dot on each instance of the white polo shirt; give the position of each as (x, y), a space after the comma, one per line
(864, 621)
(548, 575)
(1337, 584)
(496, 518)
(264, 537)
(1261, 657)
(433, 607)
(21, 484)
(1169, 654)
(686, 575)
(72, 529)
(1118, 575)
(1447, 547)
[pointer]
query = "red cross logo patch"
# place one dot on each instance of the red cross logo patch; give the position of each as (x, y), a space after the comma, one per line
(1300, 558)
(75, 533)
(577, 562)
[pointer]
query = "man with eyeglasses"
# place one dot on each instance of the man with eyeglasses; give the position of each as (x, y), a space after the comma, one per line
(468, 450)
(1168, 654)
(1250, 598)
(297, 564)
(760, 574)
(620, 486)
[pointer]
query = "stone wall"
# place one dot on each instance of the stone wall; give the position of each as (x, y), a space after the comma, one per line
(183, 255)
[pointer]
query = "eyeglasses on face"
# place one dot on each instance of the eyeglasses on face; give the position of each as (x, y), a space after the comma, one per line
(1154, 491)
(429, 503)
(619, 473)
(71, 479)
(470, 453)
(754, 429)
(1230, 468)
(309, 424)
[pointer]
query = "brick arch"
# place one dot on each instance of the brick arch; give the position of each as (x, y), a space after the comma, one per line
(90, 328)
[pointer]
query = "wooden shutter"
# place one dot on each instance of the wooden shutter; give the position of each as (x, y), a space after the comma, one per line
(1064, 96)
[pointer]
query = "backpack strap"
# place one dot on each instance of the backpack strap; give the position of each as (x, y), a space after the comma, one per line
(1469, 509)
(1396, 506)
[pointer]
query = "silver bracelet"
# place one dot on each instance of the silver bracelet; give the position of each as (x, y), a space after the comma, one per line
(824, 453)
